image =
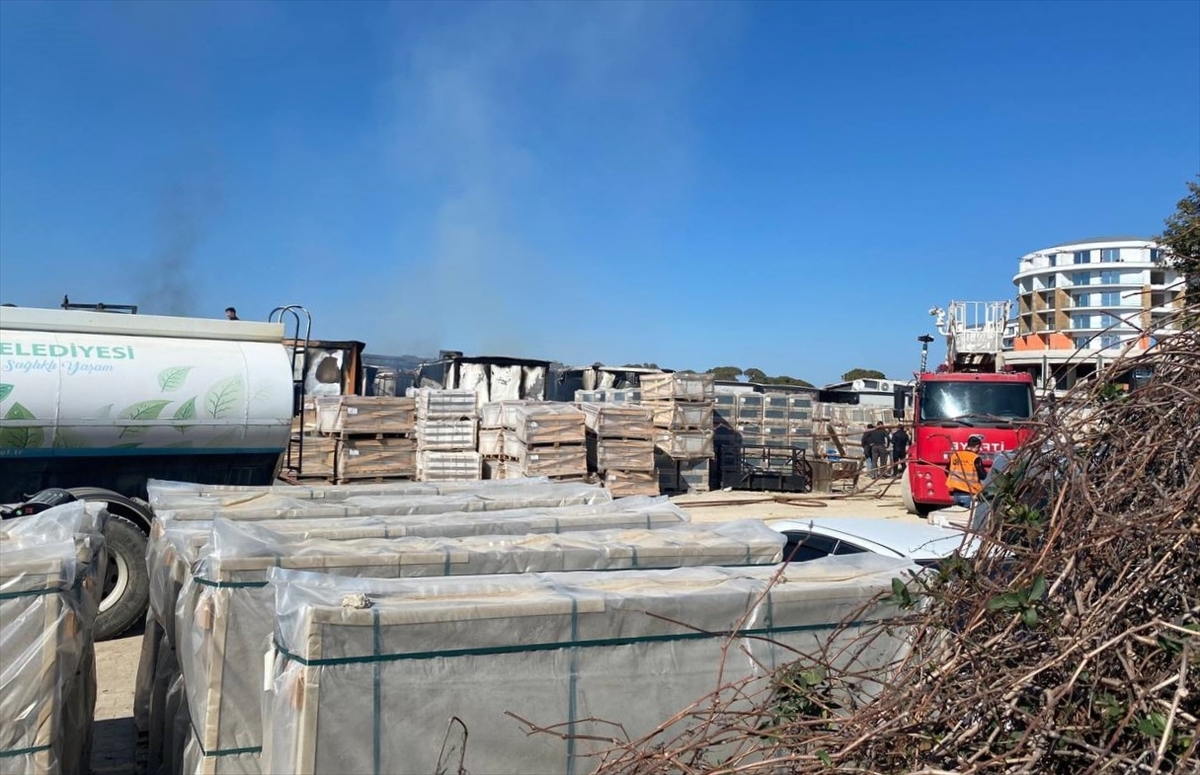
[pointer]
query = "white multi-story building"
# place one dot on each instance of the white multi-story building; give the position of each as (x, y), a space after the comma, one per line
(1082, 303)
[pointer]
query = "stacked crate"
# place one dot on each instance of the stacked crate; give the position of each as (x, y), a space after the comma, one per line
(500, 451)
(682, 408)
(539, 438)
(843, 424)
(313, 453)
(800, 421)
(447, 432)
(372, 436)
(620, 447)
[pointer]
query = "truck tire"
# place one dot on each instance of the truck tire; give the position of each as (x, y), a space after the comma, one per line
(126, 580)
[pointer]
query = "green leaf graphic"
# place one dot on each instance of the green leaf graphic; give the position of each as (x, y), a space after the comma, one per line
(5, 389)
(222, 397)
(65, 438)
(186, 411)
(143, 410)
(172, 379)
(104, 412)
(21, 438)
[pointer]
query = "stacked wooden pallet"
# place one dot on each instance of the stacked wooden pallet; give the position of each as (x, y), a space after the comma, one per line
(838, 428)
(447, 432)
(314, 454)
(682, 407)
(772, 419)
(373, 437)
(533, 438)
(620, 447)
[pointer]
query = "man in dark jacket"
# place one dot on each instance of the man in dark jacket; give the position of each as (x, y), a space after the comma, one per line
(874, 443)
(900, 442)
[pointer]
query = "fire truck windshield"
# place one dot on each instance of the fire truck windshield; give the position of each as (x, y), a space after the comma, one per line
(975, 403)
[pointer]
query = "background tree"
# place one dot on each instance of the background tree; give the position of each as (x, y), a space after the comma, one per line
(725, 372)
(854, 374)
(1181, 239)
(760, 377)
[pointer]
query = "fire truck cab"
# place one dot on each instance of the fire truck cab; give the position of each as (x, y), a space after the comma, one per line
(970, 394)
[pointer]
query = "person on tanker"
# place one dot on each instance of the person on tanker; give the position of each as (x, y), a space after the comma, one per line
(231, 313)
(966, 475)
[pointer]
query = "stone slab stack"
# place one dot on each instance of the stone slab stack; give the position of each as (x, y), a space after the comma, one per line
(374, 437)
(540, 438)
(447, 435)
(620, 447)
(682, 407)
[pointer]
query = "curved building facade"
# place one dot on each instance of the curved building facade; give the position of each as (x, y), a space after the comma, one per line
(1082, 303)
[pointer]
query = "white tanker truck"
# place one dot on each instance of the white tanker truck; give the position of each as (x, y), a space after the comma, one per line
(96, 403)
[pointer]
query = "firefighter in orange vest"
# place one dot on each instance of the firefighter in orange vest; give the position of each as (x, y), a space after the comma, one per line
(966, 475)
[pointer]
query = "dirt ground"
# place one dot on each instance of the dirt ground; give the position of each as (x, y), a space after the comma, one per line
(115, 750)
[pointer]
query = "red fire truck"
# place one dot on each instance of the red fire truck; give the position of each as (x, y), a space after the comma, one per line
(970, 394)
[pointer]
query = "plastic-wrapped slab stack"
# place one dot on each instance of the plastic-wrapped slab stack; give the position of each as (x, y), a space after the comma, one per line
(447, 423)
(368, 672)
(177, 495)
(177, 538)
(620, 441)
(222, 663)
(683, 414)
(51, 570)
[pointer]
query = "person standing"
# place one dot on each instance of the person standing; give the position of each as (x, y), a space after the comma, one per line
(874, 443)
(867, 441)
(966, 475)
(900, 441)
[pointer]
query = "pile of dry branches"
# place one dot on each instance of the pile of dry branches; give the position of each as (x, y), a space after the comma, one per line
(1068, 644)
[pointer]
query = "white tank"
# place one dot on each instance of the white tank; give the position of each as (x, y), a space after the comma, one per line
(100, 385)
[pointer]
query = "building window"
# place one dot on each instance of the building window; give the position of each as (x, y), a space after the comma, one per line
(1110, 299)
(1110, 255)
(1109, 341)
(1052, 259)
(1083, 300)
(1155, 255)
(1083, 342)
(1081, 278)
(1083, 256)
(1110, 277)
(1081, 321)
(1049, 282)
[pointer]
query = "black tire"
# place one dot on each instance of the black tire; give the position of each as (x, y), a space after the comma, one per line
(127, 582)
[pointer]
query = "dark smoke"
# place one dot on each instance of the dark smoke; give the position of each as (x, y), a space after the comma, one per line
(185, 211)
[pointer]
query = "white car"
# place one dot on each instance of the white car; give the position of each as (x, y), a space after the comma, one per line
(924, 544)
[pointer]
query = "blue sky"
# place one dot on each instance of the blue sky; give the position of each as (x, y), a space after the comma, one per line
(788, 186)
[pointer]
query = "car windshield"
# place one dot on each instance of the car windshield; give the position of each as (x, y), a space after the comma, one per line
(975, 402)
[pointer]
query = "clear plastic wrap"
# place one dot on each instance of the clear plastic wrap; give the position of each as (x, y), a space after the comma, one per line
(176, 540)
(366, 673)
(177, 495)
(501, 496)
(51, 567)
(225, 613)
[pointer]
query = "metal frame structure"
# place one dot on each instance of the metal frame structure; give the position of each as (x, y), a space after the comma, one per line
(299, 348)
